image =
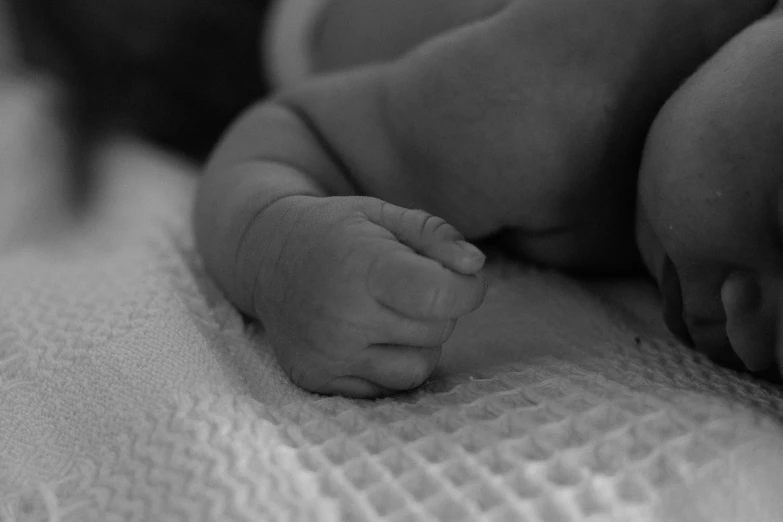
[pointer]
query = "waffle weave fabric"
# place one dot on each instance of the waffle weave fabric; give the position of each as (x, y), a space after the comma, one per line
(130, 390)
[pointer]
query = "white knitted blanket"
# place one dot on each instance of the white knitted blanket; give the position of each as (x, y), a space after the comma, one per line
(130, 390)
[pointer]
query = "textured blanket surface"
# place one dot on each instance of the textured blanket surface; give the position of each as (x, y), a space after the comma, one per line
(130, 390)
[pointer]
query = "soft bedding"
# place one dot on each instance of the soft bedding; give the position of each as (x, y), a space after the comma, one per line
(130, 390)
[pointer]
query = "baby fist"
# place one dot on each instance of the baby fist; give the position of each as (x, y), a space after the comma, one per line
(364, 293)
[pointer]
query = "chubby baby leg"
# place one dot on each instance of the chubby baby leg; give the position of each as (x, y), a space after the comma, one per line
(711, 199)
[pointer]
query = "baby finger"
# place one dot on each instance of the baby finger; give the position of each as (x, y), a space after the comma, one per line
(420, 288)
(430, 236)
(356, 388)
(395, 367)
(412, 332)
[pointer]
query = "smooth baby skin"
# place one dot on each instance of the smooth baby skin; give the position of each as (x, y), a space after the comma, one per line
(528, 124)
(357, 32)
(711, 205)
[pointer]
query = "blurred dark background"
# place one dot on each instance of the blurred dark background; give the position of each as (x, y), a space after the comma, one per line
(173, 71)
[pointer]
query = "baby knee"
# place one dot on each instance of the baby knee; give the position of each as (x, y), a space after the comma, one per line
(719, 137)
(709, 186)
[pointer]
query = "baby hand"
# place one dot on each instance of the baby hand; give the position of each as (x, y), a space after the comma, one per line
(364, 293)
